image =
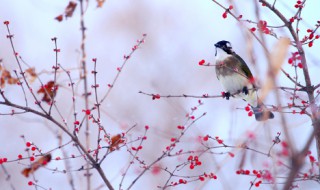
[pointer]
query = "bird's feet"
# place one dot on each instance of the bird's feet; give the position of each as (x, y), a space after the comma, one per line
(226, 95)
(245, 90)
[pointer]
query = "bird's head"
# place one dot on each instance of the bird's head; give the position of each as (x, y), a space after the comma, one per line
(225, 46)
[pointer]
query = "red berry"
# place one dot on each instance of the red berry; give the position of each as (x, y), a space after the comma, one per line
(284, 144)
(156, 96)
(312, 159)
(224, 15)
(250, 113)
(180, 127)
(202, 62)
(30, 183)
(28, 144)
(253, 29)
(291, 19)
(310, 36)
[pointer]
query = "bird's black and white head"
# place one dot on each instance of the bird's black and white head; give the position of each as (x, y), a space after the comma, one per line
(225, 46)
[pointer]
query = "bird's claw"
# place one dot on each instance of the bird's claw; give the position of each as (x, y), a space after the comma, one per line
(226, 95)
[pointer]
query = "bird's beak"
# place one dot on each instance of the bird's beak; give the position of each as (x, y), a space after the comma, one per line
(216, 45)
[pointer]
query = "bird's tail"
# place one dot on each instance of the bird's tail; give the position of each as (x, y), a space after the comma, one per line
(261, 113)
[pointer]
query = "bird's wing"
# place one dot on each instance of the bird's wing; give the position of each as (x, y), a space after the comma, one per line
(244, 66)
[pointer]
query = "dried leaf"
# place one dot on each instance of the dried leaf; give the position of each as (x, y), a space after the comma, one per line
(59, 18)
(5, 74)
(33, 75)
(49, 91)
(70, 9)
(12, 80)
(6, 78)
(116, 140)
(68, 12)
(243, 159)
(100, 3)
(36, 165)
(2, 82)
(277, 59)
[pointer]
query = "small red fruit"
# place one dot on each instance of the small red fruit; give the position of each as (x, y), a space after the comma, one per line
(202, 62)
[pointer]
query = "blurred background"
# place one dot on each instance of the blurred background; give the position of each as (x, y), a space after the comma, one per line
(180, 33)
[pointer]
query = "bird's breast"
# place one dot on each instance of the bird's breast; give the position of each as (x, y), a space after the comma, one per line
(233, 83)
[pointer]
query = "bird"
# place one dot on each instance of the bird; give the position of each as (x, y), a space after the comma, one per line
(237, 79)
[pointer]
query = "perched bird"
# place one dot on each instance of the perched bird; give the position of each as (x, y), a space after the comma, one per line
(237, 80)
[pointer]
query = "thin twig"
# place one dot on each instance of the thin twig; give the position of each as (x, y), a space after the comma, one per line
(55, 68)
(85, 84)
(126, 58)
